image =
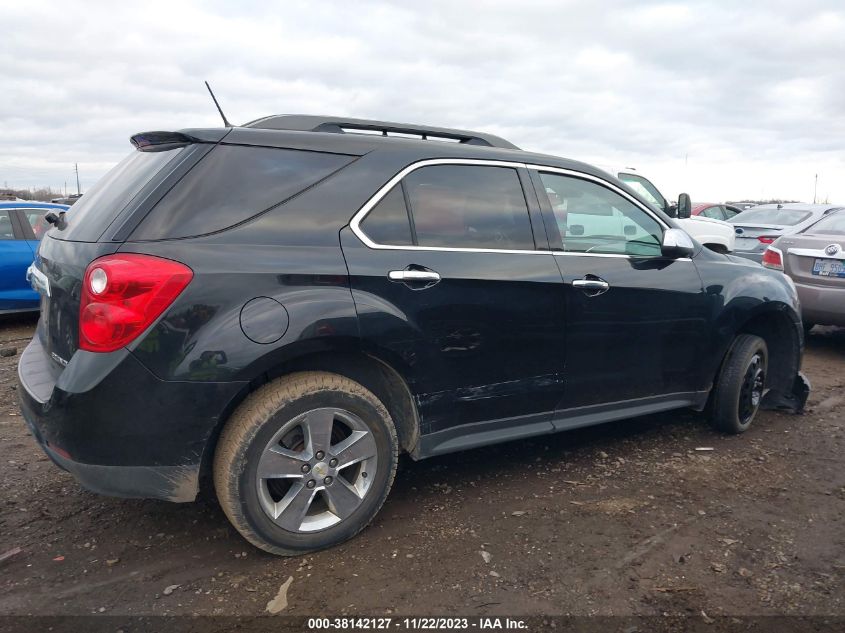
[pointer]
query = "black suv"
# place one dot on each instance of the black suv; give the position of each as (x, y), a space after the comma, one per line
(289, 305)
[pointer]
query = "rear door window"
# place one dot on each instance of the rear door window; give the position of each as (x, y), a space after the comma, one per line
(469, 206)
(388, 221)
(232, 184)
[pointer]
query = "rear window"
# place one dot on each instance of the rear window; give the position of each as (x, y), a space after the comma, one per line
(788, 217)
(232, 184)
(833, 224)
(95, 210)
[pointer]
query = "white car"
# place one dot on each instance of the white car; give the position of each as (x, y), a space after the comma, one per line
(715, 234)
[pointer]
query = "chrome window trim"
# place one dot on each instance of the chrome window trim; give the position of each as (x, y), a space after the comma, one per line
(812, 252)
(603, 182)
(361, 214)
(355, 223)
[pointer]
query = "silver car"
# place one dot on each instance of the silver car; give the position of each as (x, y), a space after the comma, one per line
(762, 225)
(815, 260)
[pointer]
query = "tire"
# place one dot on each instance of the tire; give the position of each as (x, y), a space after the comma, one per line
(281, 429)
(740, 385)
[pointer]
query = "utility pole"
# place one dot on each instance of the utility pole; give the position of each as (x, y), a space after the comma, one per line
(76, 168)
(815, 188)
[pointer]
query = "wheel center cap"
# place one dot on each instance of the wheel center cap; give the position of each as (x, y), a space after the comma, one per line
(321, 469)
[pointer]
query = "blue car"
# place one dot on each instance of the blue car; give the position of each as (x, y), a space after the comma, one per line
(22, 224)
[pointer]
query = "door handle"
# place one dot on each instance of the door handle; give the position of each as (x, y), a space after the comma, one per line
(413, 275)
(591, 287)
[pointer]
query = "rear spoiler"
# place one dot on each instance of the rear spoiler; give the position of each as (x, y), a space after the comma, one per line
(163, 141)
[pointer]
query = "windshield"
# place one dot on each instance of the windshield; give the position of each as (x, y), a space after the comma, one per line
(97, 208)
(646, 189)
(788, 217)
(833, 224)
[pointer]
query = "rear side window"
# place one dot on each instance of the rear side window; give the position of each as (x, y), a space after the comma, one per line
(387, 222)
(232, 184)
(94, 212)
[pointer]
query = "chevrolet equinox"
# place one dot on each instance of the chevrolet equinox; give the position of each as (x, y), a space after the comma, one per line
(288, 305)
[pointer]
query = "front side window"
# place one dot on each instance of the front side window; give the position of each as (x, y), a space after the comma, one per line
(593, 219)
(712, 212)
(454, 206)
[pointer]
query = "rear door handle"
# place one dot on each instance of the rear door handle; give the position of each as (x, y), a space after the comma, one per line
(591, 287)
(414, 275)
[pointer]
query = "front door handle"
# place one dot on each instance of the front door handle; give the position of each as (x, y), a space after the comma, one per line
(591, 286)
(414, 275)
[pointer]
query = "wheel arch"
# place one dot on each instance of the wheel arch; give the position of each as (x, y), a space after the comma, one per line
(778, 328)
(374, 369)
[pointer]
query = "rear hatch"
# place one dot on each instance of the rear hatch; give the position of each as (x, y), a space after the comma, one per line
(97, 225)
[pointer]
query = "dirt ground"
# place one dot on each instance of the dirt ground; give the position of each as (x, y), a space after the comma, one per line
(629, 518)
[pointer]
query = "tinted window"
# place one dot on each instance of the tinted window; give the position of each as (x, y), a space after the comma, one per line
(6, 232)
(95, 210)
(463, 206)
(231, 184)
(833, 224)
(36, 220)
(771, 216)
(594, 219)
(387, 222)
(712, 212)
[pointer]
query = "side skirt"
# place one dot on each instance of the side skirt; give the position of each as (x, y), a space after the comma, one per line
(506, 429)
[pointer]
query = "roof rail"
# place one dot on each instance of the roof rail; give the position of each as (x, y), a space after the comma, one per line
(343, 125)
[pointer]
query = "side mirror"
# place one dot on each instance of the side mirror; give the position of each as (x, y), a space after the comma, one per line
(684, 206)
(676, 243)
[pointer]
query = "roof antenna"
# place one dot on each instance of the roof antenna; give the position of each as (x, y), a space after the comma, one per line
(225, 121)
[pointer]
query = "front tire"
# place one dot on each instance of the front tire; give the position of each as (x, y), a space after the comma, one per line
(741, 384)
(305, 462)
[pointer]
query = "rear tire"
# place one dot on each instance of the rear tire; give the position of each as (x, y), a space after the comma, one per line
(305, 462)
(740, 385)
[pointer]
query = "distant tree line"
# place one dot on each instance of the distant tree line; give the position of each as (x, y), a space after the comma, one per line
(41, 194)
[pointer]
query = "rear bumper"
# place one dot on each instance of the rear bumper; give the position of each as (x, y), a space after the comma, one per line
(822, 305)
(117, 428)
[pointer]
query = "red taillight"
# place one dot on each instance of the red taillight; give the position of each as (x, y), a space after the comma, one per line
(772, 258)
(765, 239)
(123, 294)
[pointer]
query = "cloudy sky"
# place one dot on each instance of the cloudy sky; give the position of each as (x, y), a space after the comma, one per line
(725, 99)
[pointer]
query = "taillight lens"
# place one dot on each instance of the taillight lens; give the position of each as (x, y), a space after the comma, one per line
(773, 258)
(123, 294)
(765, 239)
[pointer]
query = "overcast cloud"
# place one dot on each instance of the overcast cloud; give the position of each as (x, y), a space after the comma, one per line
(722, 99)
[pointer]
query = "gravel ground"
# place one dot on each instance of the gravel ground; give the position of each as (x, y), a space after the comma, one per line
(624, 519)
